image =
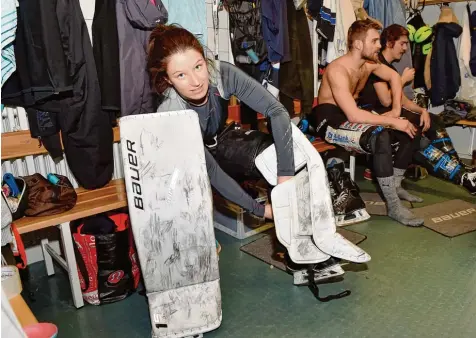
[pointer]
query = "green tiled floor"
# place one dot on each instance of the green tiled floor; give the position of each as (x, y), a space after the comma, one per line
(418, 284)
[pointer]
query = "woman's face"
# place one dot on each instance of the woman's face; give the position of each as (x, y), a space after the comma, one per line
(188, 73)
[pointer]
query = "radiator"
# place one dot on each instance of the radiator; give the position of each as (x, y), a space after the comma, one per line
(14, 119)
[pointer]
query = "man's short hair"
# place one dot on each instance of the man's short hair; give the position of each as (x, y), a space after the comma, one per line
(358, 30)
(391, 34)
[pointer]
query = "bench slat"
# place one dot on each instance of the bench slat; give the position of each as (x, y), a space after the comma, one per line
(90, 202)
(322, 146)
(466, 123)
(17, 144)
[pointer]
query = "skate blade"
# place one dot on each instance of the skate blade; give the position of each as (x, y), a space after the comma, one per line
(301, 277)
(357, 216)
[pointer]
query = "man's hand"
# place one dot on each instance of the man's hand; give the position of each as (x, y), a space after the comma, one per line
(408, 75)
(405, 126)
(425, 120)
(282, 179)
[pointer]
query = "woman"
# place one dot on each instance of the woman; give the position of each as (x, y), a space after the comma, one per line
(185, 79)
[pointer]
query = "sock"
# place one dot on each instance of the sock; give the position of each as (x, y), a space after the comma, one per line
(402, 193)
(394, 207)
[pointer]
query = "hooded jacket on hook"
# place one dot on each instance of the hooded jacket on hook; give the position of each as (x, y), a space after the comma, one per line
(135, 21)
(445, 72)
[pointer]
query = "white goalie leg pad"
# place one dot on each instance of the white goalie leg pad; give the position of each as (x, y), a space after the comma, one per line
(292, 220)
(170, 205)
(322, 213)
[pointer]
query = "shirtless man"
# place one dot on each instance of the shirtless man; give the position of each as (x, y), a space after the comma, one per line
(338, 119)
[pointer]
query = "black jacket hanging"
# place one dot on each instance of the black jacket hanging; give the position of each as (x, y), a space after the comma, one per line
(444, 67)
(42, 70)
(85, 127)
(472, 27)
(135, 21)
(106, 54)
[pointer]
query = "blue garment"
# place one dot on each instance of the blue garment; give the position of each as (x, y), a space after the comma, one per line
(9, 25)
(275, 30)
(389, 12)
(189, 14)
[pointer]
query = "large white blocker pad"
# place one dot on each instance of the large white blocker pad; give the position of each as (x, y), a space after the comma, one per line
(170, 205)
(302, 207)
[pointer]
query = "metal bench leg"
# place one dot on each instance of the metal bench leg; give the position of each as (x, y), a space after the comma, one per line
(71, 264)
(47, 257)
(352, 166)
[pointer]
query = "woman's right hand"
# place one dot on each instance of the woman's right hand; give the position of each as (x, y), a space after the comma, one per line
(268, 211)
(405, 126)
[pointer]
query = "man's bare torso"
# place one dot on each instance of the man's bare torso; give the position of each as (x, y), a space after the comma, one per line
(357, 79)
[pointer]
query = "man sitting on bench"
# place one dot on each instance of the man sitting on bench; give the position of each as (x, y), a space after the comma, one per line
(439, 157)
(338, 119)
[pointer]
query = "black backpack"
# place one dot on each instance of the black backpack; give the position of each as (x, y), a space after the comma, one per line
(245, 29)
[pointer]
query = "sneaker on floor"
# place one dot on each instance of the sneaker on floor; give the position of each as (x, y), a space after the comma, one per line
(368, 175)
(468, 180)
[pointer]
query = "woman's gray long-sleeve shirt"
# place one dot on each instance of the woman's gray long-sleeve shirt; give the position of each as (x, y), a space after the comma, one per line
(213, 115)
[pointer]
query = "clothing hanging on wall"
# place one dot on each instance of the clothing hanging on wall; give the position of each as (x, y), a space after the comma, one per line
(275, 30)
(296, 77)
(389, 12)
(248, 45)
(106, 54)
(421, 36)
(467, 46)
(135, 21)
(324, 13)
(444, 67)
(442, 74)
(189, 14)
(56, 73)
(9, 25)
(42, 65)
(472, 27)
(345, 16)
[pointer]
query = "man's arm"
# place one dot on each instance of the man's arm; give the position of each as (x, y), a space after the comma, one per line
(383, 93)
(339, 83)
(410, 105)
(389, 75)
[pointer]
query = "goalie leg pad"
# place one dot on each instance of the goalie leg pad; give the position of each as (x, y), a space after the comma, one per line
(170, 205)
(320, 202)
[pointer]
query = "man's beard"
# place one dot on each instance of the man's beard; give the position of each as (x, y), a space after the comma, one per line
(370, 57)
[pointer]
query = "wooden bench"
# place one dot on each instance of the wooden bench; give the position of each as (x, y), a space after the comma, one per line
(19, 144)
(466, 123)
(22, 311)
(472, 125)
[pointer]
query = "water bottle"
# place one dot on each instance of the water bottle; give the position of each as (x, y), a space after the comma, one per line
(52, 178)
(251, 53)
(243, 59)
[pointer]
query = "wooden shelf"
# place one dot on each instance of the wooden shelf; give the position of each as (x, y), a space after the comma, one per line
(437, 2)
